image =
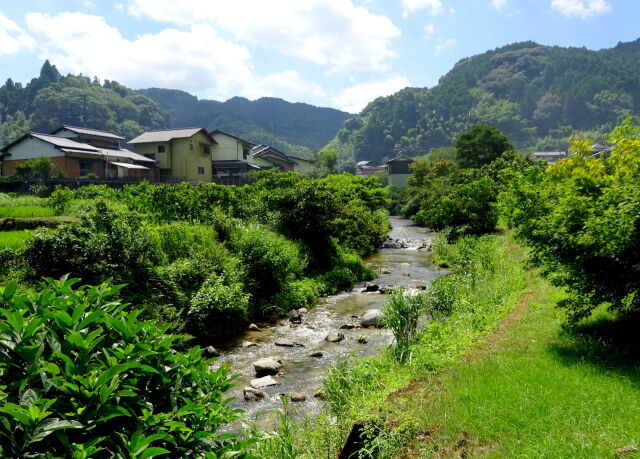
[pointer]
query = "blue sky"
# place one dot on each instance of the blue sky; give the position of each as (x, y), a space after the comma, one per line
(335, 53)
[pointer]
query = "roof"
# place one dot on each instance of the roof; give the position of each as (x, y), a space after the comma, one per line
(218, 131)
(71, 146)
(549, 153)
(400, 158)
(166, 135)
(128, 165)
(264, 151)
(80, 130)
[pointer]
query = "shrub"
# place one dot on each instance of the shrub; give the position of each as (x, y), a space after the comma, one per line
(296, 294)
(84, 377)
(219, 310)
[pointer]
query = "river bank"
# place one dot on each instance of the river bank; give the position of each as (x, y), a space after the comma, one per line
(306, 355)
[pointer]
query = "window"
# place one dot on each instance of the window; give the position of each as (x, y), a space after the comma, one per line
(201, 170)
(245, 152)
(190, 146)
(85, 167)
(206, 149)
(161, 149)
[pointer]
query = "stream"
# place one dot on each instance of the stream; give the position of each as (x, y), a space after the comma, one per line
(409, 266)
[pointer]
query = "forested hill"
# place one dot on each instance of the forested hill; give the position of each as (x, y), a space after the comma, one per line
(51, 100)
(537, 95)
(268, 120)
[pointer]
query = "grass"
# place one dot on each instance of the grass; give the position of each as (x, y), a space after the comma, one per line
(12, 200)
(13, 239)
(25, 212)
(537, 391)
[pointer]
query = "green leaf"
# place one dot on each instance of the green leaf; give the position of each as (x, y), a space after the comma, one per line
(153, 452)
(51, 425)
(9, 290)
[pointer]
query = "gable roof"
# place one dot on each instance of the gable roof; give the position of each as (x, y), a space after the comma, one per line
(266, 151)
(166, 135)
(400, 158)
(86, 131)
(218, 131)
(71, 146)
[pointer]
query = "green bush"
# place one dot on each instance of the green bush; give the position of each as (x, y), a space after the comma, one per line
(401, 314)
(107, 244)
(467, 209)
(296, 294)
(81, 376)
(219, 310)
(268, 259)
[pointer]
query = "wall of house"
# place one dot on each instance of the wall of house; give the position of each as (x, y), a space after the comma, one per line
(33, 148)
(227, 148)
(399, 180)
(186, 161)
(164, 159)
(303, 167)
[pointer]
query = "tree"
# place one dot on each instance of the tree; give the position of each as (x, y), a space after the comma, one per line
(328, 158)
(14, 127)
(481, 144)
(39, 168)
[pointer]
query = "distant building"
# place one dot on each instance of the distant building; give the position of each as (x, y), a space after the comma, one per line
(550, 156)
(598, 150)
(182, 154)
(399, 171)
(368, 168)
(79, 152)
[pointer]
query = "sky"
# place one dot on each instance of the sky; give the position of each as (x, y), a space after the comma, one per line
(330, 53)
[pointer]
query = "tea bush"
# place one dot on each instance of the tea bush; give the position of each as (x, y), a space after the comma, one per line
(82, 376)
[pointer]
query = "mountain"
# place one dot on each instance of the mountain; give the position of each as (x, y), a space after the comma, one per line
(290, 127)
(537, 95)
(51, 100)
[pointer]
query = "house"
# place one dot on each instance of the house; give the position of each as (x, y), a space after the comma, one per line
(399, 171)
(79, 152)
(368, 168)
(234, 158)
(182, 154)
(231, 161)
(549, 156)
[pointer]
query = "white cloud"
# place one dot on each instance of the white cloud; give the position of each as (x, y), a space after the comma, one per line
(332, 33)
(13, 38)
(429, 30)
(443, 44)
(433, 7)
(354, 98)
(195, 60)
(88, 4)
(581, 8)
(499, 4)
(289, 80)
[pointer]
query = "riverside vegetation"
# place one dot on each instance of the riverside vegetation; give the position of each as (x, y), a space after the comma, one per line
(75, 360)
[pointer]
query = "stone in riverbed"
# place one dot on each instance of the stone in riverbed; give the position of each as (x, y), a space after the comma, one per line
(297, 397)
(370, 288)
(385, 271)
(347, 327)
(246, 344)
(372, 318)
(317, 355)
(267, 366)
(363, 339)
(253, 395)
(303, 311)
(265, 381)
(211, 351)
(284, 343)
(254, 327)
(334, 337)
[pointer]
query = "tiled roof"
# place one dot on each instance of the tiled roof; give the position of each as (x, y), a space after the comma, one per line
(168, 135)
(63, 142)
(80, 130)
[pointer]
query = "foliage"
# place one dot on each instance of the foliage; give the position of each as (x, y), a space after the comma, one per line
(25, 212)
(35, 168)
(467, 209)
(13, 239)
(328, 158)
(14, 127)
(82, 376)
(480, 145)
(401, 313)
(581, 219)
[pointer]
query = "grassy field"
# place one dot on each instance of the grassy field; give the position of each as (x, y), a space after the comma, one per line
(25, 212)
(534, 390)
(13, 239)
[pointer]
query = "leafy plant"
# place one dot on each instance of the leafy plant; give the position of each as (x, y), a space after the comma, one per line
(81, 375)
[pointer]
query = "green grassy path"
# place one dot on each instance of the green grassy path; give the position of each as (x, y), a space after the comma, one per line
(532, 391)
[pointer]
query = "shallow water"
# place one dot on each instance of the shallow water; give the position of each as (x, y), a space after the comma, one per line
(410, 267)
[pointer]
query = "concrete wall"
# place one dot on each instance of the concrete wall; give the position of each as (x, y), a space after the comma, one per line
(33, 148)
(228, 148)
